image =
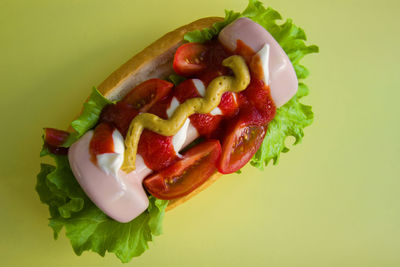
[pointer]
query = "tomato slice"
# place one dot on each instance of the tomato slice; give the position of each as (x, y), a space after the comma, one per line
(55, 137)
(187, 174)
(244, 137)
(146, 94)
(119, 115)
(189, 59)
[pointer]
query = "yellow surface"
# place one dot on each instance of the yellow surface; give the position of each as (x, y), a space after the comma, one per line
(332, 201)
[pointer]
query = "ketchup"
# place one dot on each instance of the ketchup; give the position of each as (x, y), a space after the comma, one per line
(244, 50)
(102, 141)
(251, 58)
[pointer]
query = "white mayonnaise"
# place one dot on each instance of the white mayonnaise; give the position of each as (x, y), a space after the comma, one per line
(174, 104)
(201, 89)
(110, 163)
(263, 55)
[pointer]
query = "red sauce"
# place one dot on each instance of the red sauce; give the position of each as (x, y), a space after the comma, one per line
(229, 104)
(102, 141)
(251, 58)
(244, 50)
(258, 95)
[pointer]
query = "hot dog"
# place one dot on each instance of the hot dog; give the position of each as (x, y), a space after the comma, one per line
(113, 195)
(232, 86)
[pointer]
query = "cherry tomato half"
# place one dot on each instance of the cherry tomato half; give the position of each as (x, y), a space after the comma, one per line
(146, 94)
(187, 174)
(189, 59)
(242, 140)
(55, 137)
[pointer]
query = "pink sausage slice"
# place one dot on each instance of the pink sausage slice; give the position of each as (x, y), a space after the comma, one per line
(282, 77)
(122, 200)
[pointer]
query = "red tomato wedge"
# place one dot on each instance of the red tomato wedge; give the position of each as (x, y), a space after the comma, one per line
(187, 174)
(189, 59)
(55, 137)
(242, 140)
(146, 94)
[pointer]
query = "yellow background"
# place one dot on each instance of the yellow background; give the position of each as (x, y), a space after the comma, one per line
(331, 201)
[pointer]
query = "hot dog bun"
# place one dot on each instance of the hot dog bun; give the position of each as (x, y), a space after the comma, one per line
(155, 61)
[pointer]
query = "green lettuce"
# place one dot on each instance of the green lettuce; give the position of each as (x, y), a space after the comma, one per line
(293, 117)
(176, 79)
(89, 116)
(88, 228)
(201, 36)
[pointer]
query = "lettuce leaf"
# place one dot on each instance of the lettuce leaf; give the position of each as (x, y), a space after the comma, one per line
(201, 36)
(87, 227)
(294, 116)
(176, 79)
(89, 116)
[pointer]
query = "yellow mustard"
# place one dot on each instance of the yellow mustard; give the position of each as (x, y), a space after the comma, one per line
(199, 105)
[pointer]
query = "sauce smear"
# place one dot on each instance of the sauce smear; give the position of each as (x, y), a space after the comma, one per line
(102, 141)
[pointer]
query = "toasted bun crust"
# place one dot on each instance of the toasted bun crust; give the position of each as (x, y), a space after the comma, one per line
(155, 61)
